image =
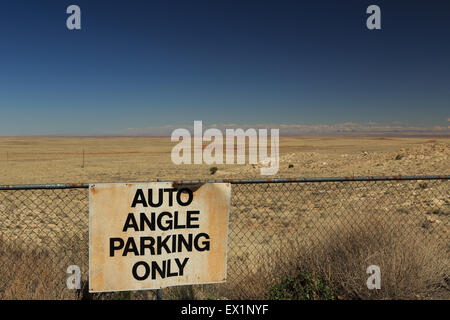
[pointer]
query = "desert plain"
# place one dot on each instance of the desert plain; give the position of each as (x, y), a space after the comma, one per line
(335, 229)
(25, 160)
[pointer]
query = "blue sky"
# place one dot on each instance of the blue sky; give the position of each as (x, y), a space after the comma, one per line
(148, 64)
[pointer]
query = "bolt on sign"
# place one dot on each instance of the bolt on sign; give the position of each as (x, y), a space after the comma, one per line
(155, 235)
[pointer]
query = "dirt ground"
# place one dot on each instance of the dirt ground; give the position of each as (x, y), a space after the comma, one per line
(60, 160)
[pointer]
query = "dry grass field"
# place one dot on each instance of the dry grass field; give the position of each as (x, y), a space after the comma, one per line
(58, 160)
(335, 229)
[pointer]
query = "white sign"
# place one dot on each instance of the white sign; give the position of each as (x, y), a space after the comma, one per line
(155, 235)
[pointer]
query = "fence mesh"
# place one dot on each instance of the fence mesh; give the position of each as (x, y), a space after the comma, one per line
(271, 227)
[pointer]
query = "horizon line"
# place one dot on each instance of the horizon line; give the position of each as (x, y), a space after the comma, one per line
(417, 134)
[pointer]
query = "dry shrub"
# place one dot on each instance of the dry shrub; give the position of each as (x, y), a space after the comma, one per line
(195, 292)
(413, 264)
(40, 274)
(36, 273)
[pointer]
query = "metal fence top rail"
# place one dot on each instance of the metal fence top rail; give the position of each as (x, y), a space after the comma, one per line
(236, 181)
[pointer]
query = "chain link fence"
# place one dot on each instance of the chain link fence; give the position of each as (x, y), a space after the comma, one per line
(335, 226)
